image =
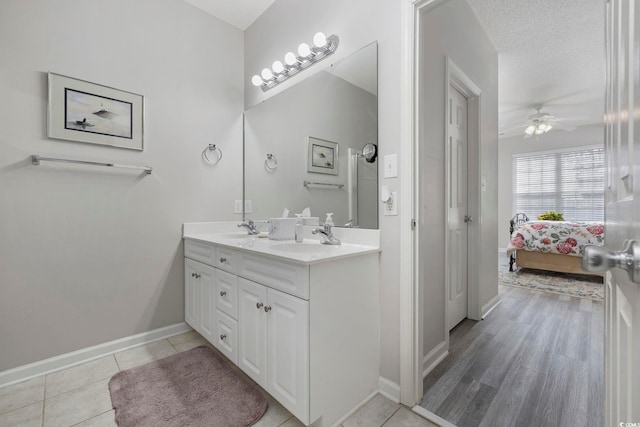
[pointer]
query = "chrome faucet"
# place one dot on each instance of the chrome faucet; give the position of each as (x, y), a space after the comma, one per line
(250, 226)
(327, 236)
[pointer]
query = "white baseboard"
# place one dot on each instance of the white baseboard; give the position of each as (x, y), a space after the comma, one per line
(431, 416)
(434, 357)
(493, 303)
(389, 389)
(67, 360)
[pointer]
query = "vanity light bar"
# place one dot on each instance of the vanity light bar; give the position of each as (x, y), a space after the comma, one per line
(293, 64)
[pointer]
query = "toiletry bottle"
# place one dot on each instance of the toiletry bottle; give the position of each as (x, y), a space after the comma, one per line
(299, 229)
(329, 220)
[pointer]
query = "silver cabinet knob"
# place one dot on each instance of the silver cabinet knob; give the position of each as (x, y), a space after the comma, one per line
(222, 336)
(597, 259)
(259, 305)
(223, 260)
(267, 308)
(223, 293)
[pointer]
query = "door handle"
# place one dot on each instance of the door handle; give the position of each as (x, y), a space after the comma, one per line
(468, 219)
(597, 259)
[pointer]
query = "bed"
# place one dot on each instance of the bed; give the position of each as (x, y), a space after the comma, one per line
(551, 245)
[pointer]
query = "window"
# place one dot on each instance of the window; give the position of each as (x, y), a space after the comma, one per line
(568, 182)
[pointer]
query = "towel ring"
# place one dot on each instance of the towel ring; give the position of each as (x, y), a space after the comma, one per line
(205, 154)
(271, 162)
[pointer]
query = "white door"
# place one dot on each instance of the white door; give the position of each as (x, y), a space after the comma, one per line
(206, 277)
(252, 334)
(191, 293)
(457, 207)
(288, 347)
(622, 212)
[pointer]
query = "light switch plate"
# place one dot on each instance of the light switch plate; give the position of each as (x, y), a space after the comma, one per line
(248, 206)
(391, 166)
(237, 206)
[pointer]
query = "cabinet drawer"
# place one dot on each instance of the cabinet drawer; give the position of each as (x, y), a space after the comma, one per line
(227, 293)
(227, 259)
(286, 277)
(226, 338)
(199, 251)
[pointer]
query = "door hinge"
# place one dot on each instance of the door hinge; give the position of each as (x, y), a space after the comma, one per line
(413, 224)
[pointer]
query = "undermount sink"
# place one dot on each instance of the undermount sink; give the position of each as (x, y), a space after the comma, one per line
(236, 236)
(307, 248)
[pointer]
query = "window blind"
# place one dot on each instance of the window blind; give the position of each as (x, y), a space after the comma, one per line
(568, 182)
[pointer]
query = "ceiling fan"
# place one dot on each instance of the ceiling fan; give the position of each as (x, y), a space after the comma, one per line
(540, 123)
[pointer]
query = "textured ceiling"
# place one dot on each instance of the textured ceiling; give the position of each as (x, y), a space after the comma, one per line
(239, 13)
(551, 52)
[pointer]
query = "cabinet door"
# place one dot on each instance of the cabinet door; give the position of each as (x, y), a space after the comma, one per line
(207, 279)
(288, 352)
(191, 294)
(252, 334)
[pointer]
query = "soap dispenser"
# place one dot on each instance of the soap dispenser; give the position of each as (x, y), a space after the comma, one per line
(329, 220)
(299, 229)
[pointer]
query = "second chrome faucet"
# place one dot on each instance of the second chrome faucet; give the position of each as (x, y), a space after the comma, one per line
(327, 237)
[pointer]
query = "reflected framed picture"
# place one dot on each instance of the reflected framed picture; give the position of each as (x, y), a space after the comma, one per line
(82, 111)
(323, 156)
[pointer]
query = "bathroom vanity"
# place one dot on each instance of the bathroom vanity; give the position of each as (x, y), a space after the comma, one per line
(302, 320)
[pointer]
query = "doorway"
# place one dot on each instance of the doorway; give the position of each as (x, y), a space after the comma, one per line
(422, 119)
(461, 94)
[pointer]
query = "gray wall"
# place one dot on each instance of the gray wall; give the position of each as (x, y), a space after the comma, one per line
(323, 106)
(88, 255)
(554, 140)
(357, 22)
(453, 30)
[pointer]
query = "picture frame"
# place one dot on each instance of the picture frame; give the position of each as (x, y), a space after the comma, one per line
(82, 111)
(322, 156)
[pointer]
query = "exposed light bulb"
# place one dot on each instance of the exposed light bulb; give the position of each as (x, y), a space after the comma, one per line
(290, 58)
(277, 67)
(319, 39)
(267, 74)
(530, 129)
(256, 80)
(304, 50)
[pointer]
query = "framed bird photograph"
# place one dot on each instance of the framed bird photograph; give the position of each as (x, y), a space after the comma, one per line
(323, 156)
(87, 112)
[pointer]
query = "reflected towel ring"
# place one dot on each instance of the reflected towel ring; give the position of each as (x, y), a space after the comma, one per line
(271, 163)
(205, 154)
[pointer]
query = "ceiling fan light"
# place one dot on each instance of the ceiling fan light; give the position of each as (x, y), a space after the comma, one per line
(547, 128)
(530, 129)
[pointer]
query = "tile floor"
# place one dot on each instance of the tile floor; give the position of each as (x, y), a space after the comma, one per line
(79, 396)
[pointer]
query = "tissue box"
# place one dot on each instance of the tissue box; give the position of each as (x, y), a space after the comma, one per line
(282, 228)
(310, 220)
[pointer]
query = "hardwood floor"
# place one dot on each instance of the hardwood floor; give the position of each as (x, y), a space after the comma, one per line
(536, 360)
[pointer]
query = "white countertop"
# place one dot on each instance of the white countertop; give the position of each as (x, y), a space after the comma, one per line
(311, 251)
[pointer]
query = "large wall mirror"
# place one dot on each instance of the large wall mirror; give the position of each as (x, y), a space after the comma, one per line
(314, 144)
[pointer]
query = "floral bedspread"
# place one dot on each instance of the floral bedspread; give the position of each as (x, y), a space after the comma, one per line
(558, 237)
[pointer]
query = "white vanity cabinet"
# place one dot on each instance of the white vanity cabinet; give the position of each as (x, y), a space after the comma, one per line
(306, 332)
(199, 292)
(274, 343)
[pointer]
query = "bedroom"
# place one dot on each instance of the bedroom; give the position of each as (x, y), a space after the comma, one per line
(547, 60)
